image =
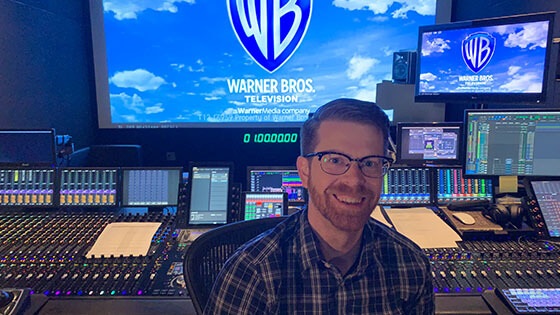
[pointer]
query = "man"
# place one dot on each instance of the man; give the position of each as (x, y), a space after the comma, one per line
(331, 258)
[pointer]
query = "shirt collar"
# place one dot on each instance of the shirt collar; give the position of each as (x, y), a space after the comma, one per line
(308, 246)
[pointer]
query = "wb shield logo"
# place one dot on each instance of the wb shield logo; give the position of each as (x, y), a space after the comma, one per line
(477, 50)
(270, 30)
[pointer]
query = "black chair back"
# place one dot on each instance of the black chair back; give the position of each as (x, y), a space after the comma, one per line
(207, 254)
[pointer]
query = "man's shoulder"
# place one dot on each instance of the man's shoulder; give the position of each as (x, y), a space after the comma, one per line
(269, 243)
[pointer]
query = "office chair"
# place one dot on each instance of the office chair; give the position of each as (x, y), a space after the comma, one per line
(207, 254)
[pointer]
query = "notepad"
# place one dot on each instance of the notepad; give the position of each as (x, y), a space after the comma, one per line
(124, 239)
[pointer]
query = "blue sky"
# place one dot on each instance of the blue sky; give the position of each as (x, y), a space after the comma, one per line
(517, 64)
(170, 60)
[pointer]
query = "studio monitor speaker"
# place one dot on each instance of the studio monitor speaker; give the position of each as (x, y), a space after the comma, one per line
(404, 67)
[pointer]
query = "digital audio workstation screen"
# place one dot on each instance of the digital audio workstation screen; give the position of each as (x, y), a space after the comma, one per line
(547, 194)
(263, 205)
(88, 187)
(512, 143)
(452, 186)
(27, 187)
(150, 187)
(406, 186)
(428, 143)
(209, 195)
(277, 180)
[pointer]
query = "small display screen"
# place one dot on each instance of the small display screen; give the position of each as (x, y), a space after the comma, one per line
(209, 194)
(151, 186)
(259, 205)
(277, 179)
(429, 143)
(547, 193)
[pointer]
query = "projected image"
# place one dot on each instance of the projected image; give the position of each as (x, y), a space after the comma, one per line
(497, 59)
(181, 63)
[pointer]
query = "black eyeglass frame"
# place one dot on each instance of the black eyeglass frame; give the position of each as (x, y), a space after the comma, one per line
(386, 164)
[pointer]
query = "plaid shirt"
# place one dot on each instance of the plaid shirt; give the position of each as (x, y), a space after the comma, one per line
(283, 272)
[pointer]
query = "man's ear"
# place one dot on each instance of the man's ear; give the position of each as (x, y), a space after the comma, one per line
(303, 169)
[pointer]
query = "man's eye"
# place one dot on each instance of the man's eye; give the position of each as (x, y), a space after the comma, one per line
(334, 160)
(371, 163)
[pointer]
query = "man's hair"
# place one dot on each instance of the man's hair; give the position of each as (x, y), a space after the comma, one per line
(344, 109)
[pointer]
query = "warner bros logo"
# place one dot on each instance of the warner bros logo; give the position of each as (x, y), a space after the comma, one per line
(477, 50)
(270, 30)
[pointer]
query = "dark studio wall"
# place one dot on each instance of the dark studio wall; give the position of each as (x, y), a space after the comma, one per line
(47, 80)
(45, 67)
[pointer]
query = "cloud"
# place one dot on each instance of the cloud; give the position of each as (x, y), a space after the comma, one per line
(435, 45)
(513, 70)
(528, 82)
(129, 9)
(215, 95)
(158, 108)
(428, 76)
(359, 66)
(135, 103)
(422, 7)
(531, 35)
(139, 79)
(200, 67)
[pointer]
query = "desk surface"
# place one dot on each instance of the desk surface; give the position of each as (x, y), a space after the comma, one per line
(445, 304)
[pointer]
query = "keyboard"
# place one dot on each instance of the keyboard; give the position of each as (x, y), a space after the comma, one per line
(531, 300)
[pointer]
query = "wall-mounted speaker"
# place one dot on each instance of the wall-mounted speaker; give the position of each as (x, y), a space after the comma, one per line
(404, 67)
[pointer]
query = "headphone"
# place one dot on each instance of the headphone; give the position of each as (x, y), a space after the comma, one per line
(504, 214)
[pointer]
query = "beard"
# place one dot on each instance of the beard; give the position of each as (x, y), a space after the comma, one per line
(351, 217)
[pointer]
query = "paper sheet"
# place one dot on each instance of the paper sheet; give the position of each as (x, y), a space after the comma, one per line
(423, 227)
(124, 238)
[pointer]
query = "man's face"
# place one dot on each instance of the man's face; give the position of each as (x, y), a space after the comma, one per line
(347, 200)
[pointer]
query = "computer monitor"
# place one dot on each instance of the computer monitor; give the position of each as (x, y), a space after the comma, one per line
(452, 186)
(258, 205)
(27, 187)
(406, 186)
(547, 194)
(277, 179)
(27, 147)
(150, 186)
(497, 60)
(209, 193)
(517, 142)
(91, 187)
(436, 143)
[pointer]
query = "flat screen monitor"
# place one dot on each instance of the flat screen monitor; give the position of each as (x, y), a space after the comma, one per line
(406, 186)
(503, 59)
(240, 63)
(27, 147)
(547, 195)
(437, 143)
(150, 186)
(209, 193)
(27, 187)
(517, 142)
(258, 205)
(452, 186)
(91, 187)
(277, 179)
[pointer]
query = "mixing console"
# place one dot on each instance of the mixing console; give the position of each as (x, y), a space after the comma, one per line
(486, 265)
(45, 251)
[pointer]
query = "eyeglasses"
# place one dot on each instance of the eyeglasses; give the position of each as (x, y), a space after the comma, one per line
(336, 163)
